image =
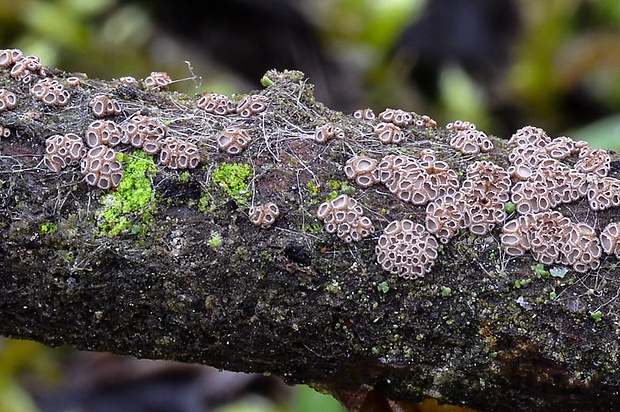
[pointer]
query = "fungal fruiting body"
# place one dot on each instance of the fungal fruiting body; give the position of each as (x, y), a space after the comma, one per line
(345, 217)
(103, 106)
(406, 249)
(50, 92)
(8, 100)
(468, 139)
(233, 140)
(363, 170)
(216, 103)
(101, 168)
(327, 132)
(553, 238)
(264, 215)
(62, 150)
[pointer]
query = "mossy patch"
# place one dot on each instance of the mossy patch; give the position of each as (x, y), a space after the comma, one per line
(233, 178)
(48, 228)
(129, 208)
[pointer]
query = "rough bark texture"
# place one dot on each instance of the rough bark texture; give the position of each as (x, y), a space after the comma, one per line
(190, 278)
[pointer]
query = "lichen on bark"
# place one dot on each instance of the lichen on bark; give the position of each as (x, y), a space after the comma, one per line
(480, 329)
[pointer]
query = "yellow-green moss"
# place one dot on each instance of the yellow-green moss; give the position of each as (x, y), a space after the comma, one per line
(130, 206)
(233, 178)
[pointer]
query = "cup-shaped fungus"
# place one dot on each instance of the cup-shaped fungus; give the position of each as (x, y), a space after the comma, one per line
(139, 129)
(179, 154)
(264, 215)
(603, 192)
(553, 238)
(251, 105)
(103, 106)
(364, 114)
(4, 132)
(561, 147)
(610, 239)
(61, 150)
(596, 161)
(445, 216)
(157, 80)
(26, 67)
(8, 100)
(103, 132)
(9, 57)
(471, 141)
(216, 103)
(233, 140)
(363, 170)
(530, 136)
(344, 216)
(406, 249)
(389, 133)
(397, 117)
(416, 181)
(327, 132)
(101, 168)
(50, 92)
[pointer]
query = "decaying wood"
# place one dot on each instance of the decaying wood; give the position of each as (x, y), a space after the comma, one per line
(198, 282)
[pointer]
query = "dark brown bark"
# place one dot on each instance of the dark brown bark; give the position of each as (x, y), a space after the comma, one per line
(480, 330)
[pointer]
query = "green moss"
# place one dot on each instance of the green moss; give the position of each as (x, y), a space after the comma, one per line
(233, 178)
(215, 241)
(130, 207)
(339, 187)
(539, 269)
(48, 228)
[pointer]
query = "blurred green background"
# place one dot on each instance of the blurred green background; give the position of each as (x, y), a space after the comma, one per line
(501, 64)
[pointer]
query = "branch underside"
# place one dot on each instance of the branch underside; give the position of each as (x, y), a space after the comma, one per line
(187, 276)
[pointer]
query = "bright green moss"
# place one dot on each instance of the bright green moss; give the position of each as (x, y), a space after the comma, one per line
(233, 178)
(339, 187)
(129, 208)
(48, 228)
(215, 241)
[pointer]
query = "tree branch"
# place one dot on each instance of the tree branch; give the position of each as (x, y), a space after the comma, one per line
(185, 275)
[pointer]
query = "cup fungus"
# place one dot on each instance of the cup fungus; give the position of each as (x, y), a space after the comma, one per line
(101, 168)
(364, 114)
(103, 106)
(471, 141)
(610, 239)
(62, 150)
(216, 103)
(363, 170)
(104, 132)
(140, 131)
(8, 100)
(51, 92)
(397, 117)
(344, 216)
(264, 215)
(233, 140)
(553, 238)
(178, 154)
(157, 81)
(406, 249)
(252, 105)
(327, 132)
(389, 133)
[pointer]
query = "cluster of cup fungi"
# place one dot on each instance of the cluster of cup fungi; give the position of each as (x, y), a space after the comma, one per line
(544, 173)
